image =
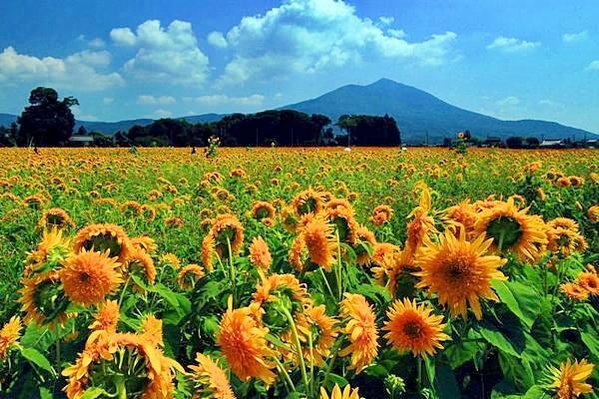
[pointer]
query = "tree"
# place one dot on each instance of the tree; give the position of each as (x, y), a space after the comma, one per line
(533, 142)
(514, 142)
(82, 131)
(47, 121)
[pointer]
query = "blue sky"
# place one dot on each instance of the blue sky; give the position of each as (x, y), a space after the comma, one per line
(129, 59)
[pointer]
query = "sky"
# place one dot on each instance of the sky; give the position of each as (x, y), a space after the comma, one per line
(512, 59)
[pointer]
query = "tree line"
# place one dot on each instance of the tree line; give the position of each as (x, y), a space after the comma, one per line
(48, 121)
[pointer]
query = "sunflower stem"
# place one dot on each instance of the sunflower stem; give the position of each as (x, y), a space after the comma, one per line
(339, 273)
(233, 273)
(291, 387)
(326, 282)
(121, 389)
(311, 345)
(298, 346)
(58, 355)
(124, 290)
(419, 373)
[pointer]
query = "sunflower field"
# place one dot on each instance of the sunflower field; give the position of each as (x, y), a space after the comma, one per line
(299, 273)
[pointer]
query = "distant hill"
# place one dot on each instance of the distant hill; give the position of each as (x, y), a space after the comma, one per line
(419, 113)
(113, 127)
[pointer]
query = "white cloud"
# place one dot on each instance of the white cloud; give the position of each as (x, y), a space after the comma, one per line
(575, 37)
(108, 100)
(151, 100)
(512, 45)
(549, 103)
(82, 116)
(510, 101)
(310, 36)
(223, 99)
(77, 71)
(217, 39)
(97, 43)
(386, 20)
(165, 55)
(162, 113)
(593, 66)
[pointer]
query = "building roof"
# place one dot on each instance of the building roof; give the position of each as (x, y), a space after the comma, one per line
(550, 142)
(81, 139)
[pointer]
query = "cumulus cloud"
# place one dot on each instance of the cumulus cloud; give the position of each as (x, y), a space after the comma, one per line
(309, 36)
(223, 99)
(162, 113)
(217, 39)
(79, 70)
(166, 55)
(593, 66)
(510, 101)
(512, 45)
(575, 37)
(152, 100)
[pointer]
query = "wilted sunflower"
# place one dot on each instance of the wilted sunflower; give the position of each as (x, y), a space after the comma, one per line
(243, 342)
(381, 215)
(210, 380)
(569, 380)
(414, 327)
(102, 237)
(360, 328)
(189, 276)
(513, 230)
(459, 272)
(320, 242)
(260, 255)
(337, 393)
(9, 335)
(89, 276)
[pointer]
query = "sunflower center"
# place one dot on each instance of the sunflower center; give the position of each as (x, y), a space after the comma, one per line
(458, 269)
(262, 213)
(505, 231)
(56, 220)
(103, 242)
(413, 329)
(84, 277)
(309, 205)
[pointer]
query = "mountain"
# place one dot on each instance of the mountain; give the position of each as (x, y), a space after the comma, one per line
(113, 127)
(420, 114)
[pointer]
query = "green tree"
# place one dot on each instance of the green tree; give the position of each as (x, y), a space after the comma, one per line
(47, 121)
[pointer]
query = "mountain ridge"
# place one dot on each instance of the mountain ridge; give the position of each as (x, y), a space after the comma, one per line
(420, 116)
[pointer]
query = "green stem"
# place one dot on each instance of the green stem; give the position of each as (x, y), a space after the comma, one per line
(311, 345)
(419, 375)
(121, 389)
(339, 273)
(326, 282)
(58, 355)
(285, 375)
(298, 346)
(329, 368)
(233, 272)
(124, 290)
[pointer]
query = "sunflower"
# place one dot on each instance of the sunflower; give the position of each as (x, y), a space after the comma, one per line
(361, 330)
(344, 222)
(364, 241)
(51, 251)
(260, 254)
(513, 230)
(298, 253)
(422, 224)
(574, 291)
(151, 330)
(226, 231)
(414, 327)
(569, 380)
(308, 201)
(55, 218)
(564, 237)
(459, 272)
(210, 380)
(381, 215)
(402, 261)
(589, 281)
(144, 243)
(107, 317)
(89, 276)
(43, 300)
(189, 276)
(262, 210)
(461, 216)
(102, 237)
(9, 335)
(172, 260)
(243, 342)
(320, 242)
(593, 213)
(141, 263)
(337, 393)
(322, 329)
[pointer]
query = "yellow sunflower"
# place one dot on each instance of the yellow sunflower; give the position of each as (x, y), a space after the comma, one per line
(44, 300)
(320, 242)
(322, 329)
(337, 393)
(459, 272)
(260, 255)
(189, 275)
(361, 331)
(9, 335)
(414, 327)
(88, 277)
(568, 381)
(102, 237)
(210, 380)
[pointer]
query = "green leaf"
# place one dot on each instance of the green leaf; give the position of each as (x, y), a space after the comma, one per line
(522, 300)
(589, 337)
(45, 393)
(494, 336)
(446, 383)
(35, 357)
(93, 393)
(335, 379)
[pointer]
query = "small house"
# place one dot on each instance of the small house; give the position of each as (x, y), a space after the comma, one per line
(78, 140)
(552, 143)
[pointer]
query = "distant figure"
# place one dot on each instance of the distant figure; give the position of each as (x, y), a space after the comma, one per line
(36, 150)
(193, 151)
(133, 150)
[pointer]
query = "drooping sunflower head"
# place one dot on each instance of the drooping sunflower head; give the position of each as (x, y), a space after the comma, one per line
(51, 251)
(89, 276)
(414, 328)
(189, 276)
(141, 265)
(243, 342)
(263, 209)
(104, 237)
(593, 213)
(308, 201)
(461, 216)
(364, 242)
(316, 325)
(299, 257)
(9, 335)
(320, 242)
(144, 243)
(568, 381)
(574, 291)
(55, 218)
(227, 233)
(513, 230)
(260, 254)
(44, 300)
(359, 326)
(381, 215)
(459, 272)
(210, 379)
(151, 330)
(344, 223)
